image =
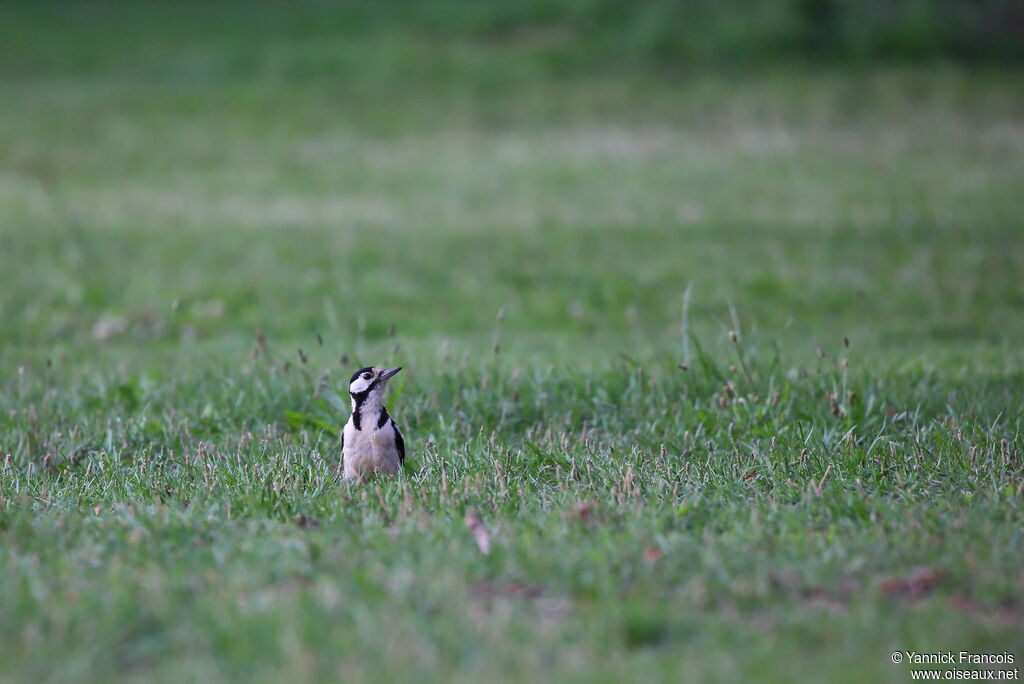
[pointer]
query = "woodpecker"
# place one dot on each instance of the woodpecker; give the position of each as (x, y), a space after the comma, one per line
(372, 442)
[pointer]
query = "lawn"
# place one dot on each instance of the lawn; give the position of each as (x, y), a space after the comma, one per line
(725, 363)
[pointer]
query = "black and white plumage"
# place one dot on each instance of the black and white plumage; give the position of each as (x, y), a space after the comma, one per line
(372, 441)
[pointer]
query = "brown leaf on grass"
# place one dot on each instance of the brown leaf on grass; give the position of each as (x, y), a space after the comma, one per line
(584, 511)
(305, 522)
(916, 585)
(523, 590)
(479, 530)
(652, 554)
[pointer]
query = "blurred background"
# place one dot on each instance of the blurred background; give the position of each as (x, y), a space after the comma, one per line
(211, 213)
(178, 178)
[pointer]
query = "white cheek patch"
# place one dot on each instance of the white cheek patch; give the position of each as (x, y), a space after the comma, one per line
(359, 385)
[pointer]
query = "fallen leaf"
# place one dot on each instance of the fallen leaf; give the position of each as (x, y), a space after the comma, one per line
(479, 530)
(305, 522)
(652, 554)
(584, 511)
(914, 586)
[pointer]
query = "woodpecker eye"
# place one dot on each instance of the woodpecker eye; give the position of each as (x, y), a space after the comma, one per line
(367, 376)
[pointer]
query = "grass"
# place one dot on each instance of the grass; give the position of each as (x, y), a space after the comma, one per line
(180, 216)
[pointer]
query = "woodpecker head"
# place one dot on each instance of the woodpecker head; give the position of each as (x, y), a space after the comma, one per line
(369, 383)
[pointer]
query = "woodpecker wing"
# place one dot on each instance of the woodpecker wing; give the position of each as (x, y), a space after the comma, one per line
(399, 442)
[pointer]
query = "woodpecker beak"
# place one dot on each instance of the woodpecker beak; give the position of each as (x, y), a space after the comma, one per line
(388, 372)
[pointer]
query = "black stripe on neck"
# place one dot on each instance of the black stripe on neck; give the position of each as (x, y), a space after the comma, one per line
(359, 398)
(357, 410)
